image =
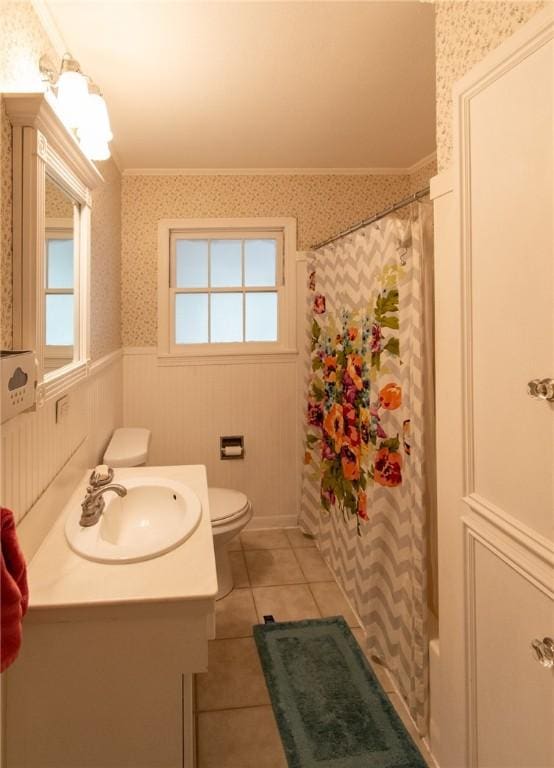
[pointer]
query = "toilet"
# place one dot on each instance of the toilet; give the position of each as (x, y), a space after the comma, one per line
(230, 510)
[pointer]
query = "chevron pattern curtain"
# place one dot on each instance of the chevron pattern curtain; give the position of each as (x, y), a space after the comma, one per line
(363, 488)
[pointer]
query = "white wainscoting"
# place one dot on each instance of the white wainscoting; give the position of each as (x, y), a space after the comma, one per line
(188, 408)
(36, 449)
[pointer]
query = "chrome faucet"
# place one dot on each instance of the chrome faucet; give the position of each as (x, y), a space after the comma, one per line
(93, 503)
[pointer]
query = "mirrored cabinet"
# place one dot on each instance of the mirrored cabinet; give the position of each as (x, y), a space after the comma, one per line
(52, 185)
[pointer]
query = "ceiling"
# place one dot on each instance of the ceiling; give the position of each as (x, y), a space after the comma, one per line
(259, 84)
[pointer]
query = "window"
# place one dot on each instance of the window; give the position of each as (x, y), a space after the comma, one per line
(59, 295)
(59, 288)
(226, 287)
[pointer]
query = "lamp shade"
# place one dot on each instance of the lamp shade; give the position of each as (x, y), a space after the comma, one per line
(94, 147)
(72, 97)
(95, 118)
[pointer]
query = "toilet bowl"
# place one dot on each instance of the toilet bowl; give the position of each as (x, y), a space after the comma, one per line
(230, 510)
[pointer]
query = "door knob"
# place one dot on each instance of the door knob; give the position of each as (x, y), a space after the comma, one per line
(542, 389)
(544, 651)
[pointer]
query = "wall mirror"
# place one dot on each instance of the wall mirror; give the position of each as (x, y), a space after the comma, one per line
(52, 184)
(61, 265)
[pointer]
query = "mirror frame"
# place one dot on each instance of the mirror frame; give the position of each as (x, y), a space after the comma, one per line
(41, 145)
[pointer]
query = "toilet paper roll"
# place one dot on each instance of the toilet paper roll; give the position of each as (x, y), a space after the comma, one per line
(232, 450)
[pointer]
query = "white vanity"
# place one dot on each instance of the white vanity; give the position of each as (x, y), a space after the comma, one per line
(105, 675)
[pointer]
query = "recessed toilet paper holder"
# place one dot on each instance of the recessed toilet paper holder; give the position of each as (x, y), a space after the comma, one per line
(231, 447)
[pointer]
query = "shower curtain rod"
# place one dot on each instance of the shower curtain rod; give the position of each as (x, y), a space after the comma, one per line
(354, 227)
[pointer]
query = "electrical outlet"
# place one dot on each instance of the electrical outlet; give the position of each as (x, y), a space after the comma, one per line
(62, 408)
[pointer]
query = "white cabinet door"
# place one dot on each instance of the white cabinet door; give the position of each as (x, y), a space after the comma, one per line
(495, 281)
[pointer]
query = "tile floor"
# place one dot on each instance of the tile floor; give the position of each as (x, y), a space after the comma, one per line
(278, 572)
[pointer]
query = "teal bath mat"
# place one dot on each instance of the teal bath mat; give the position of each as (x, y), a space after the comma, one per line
(330, 709)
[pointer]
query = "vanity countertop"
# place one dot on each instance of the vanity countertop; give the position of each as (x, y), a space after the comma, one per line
(61, 579)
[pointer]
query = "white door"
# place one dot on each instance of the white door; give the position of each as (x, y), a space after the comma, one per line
(495, 333)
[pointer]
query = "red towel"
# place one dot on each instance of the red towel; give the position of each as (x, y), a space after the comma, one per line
(15, 592)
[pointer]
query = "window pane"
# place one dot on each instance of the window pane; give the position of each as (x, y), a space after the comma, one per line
(60, 263)
(191, 318)
(261, 317)
(226, 269)
(59, 319)
(260, 258)
(191, 264)
(226, 317)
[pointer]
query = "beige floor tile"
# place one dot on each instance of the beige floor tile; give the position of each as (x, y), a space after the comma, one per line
(270, 539)
(234, 677)
(331, 601)
(313, 565)
(379, 671)
(239, 738)
(238, 567)
(297, 538)
(270, 567)
(234, 545)
(396, 701)
(291, 603)
(235, 614)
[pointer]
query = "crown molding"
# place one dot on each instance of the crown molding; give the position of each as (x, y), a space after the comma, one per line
(49, 25)
(421, 163)
(264, 172)
(280, 171)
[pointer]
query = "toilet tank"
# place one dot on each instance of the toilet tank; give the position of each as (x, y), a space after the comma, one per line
(128, 447)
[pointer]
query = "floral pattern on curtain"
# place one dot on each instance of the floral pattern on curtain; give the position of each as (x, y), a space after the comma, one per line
(363, 484)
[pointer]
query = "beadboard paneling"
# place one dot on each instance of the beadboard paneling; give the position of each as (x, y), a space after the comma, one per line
(188, 407)
(35, 449)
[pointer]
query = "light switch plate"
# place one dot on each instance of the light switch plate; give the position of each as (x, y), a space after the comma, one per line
(62, 408)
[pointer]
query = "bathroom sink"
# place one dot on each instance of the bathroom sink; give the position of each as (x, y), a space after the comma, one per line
(156, 515)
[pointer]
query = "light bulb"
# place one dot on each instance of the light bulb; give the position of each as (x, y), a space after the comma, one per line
(72, 97)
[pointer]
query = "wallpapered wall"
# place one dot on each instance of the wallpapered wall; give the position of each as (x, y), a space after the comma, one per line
(57, 204)
(465, 31)
(105, 280)
(22, 43)
(5, 231)
(322, 205)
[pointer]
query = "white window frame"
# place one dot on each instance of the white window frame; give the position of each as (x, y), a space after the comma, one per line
(285, 229)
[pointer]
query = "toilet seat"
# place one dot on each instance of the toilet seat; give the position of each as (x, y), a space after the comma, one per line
(226, 505)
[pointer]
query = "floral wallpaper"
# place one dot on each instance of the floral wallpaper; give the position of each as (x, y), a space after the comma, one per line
(420, 178)
(22, 43)
(322, 206)
(57, 205)
(6, 292)
(105, 279)
(465, 31)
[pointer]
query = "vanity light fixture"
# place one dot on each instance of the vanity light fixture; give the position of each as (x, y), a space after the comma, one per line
(72, 92)
(80, 104)
(95, 131)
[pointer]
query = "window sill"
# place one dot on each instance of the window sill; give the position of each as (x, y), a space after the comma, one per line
(216, 357)
(59, 382)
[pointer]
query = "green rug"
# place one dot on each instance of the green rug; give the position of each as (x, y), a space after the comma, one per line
(330, 709)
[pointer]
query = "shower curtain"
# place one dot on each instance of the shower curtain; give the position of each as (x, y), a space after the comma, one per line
(364, 494)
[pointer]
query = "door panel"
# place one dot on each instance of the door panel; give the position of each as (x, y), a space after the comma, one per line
(495, 333)
(514, 693)
(512, 289)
